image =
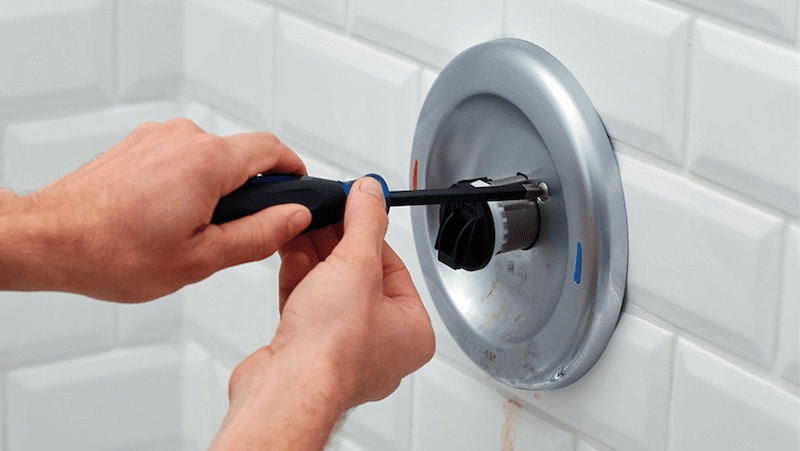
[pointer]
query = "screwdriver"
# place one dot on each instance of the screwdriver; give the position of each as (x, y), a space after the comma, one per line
(326, 198)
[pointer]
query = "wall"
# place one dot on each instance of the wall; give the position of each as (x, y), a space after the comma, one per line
(700, 99)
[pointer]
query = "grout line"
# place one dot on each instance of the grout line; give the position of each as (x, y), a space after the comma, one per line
(742, 363)
(275, 36)
(740, 197)
(210, 379)
(115, 45)
(671, 394)
(411, 409)
(689, 91)
(730, 24)
(504, 19)
(347, 22)
(3, 412)
(359, 40)
(654, 161)
(183, 345)
(782, 277)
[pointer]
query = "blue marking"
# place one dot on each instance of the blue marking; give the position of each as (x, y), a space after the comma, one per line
(578, 264)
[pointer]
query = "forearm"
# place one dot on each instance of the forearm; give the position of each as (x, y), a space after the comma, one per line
(291, 401)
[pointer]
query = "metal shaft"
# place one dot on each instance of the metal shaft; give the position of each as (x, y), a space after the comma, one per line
(459, 195)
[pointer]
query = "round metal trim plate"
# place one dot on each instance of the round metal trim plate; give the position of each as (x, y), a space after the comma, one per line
(539, 318)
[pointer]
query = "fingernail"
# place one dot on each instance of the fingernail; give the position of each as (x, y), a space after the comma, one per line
(371, 186)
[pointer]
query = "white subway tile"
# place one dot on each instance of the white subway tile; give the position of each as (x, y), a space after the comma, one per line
(38, 326)
(234, 310)
(347, 444)
(220, 377)
(343, 100)
(69, 142)
(149, 49)
(200, 113)
(317, 167)
(718, 406)
(745, 110)
(228, 56)
(583, 446)
(776, 17)
(702, 261)
(118, 400)
(56, 53)
(382, 424)
(428, 77)
(433, 32)
(196, 403)
(331, 11)
(629, 56)
(454, 411)
(225, 126)
(2, 412)
(623, 400)
(148, 322)
(788, 363)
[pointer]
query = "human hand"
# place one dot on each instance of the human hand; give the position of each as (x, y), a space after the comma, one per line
(352, 326)
(134, 223)
(355, 298)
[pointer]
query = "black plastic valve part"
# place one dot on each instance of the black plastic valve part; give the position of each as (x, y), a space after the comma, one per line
(466, 234)
(468, 237)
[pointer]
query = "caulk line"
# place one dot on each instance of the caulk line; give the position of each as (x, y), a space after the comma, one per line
(578, 264)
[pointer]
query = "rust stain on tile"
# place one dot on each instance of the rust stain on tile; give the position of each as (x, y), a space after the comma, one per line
(512, 410)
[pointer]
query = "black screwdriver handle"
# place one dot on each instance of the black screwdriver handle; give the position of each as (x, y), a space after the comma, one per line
(325, 198)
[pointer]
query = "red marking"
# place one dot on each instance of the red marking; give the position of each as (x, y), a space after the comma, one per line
(515, 402)
(415, 175)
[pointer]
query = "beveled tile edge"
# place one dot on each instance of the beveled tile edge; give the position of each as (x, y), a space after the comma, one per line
(687, 350)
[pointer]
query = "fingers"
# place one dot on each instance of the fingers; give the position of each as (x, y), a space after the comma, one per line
(397, 283)
(257, 236)
(253, 153)
(300, 255)
(298, 258)
(410, 316)
(365, 219)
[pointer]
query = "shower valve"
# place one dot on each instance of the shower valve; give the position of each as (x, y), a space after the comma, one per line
(471, 233)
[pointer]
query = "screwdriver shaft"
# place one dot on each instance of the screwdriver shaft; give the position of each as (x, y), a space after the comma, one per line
(456, 195)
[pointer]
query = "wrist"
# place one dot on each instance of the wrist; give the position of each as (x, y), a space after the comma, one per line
(282, 399)
(30, 239)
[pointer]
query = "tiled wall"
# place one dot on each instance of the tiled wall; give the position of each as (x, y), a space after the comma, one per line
(701, 99)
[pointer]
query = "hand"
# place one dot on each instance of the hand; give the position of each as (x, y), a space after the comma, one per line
(134, 224)
(352, 326)
(357, 299)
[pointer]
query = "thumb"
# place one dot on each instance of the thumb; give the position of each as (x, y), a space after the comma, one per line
(257, 236)
(365, 219)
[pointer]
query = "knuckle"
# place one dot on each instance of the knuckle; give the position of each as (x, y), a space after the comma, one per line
(270, 138)
(147, 127)
(212, 150)
(181, 123)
